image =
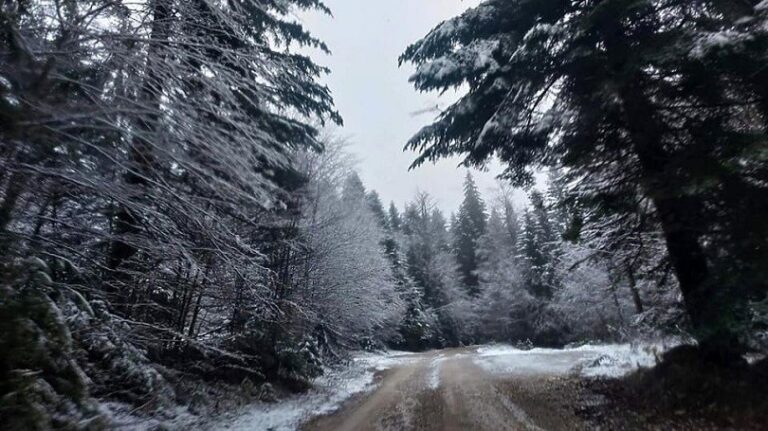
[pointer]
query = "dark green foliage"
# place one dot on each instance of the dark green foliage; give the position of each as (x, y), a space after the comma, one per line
(299, 363)
(416, 329)
(42, 387)
(540, 248)
(656, 109)
(429, 286)
(150, 148)
(469, 227)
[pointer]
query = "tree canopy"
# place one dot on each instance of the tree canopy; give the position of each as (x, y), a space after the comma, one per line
(654, 104)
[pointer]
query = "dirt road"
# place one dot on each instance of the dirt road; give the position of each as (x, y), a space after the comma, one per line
(464, 389)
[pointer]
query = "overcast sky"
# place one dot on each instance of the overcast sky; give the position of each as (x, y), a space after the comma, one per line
(376, 100)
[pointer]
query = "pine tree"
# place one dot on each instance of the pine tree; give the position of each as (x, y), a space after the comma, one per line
(353, 190)
(529, 252)
(150, 147)
(394, 217)
(424, 242)
(418, 326)
(537, 74)
(505, 302)
(496, 247)
(439, 230)
(433, 268)
(538, 247)
(497, 255)
(470, 226)
(374, 203)
(558, 201)
(511, 221)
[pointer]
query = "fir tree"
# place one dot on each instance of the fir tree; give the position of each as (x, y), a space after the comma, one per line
(353, 190)
(537, 247)
(433, 267)
(394, 217)
(374, 203)
(588, 87)
(497, 253)
(511, 221)
(470, 226)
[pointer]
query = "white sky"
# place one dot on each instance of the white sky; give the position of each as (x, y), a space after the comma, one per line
(378, 103)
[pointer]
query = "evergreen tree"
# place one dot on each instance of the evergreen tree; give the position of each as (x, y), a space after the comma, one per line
(394, 217)
(558, 202)
(418, 326)
(653, 99)
(148, 151)
(496, 247)
(504, 305)
(454, 222)
(548, 243)
(529, 252)
(511, 221)
(374, 203)
(433, 268)
(423, 245)
(353, 191)
(470, 226)
(439, 230)
(538, 247)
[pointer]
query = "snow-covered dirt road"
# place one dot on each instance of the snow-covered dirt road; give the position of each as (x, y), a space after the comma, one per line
(485, 388)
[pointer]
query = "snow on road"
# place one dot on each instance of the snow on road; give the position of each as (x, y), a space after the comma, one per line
(434, 372)
(328, 393)
(587, 360)
(449, 381)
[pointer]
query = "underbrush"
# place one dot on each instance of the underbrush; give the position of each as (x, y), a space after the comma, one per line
(686, 390)
(70, 363)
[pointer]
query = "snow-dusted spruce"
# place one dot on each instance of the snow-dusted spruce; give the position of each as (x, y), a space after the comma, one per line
(469, 227)
(144, 145)
(658, 105)
(505, 298)
(433, 266)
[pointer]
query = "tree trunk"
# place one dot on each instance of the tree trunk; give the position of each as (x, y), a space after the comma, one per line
(196, 312)
(615, 293)
(635, 292)
(141, 158)
(198, 302)
(11, 195)
(710, 305)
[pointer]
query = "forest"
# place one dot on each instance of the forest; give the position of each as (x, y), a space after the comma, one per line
(181, 215)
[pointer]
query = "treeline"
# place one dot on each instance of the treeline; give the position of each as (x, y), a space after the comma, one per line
(494, 273)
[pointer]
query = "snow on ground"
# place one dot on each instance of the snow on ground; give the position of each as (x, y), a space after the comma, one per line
(588, 360)
(124, 418)
(433, 381)
(619, 360)
(327, 395)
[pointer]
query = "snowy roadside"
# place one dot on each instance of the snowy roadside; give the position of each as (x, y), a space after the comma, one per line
(123, 417)
(327, 395)
(606, 360)
(339, 384)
